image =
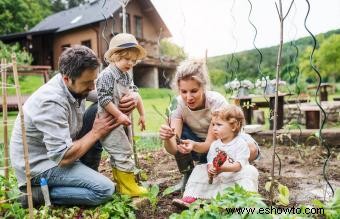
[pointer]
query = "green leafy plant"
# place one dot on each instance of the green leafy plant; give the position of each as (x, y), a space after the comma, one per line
(218, 207)
(152, 196)
(169, 190)
(332, 207)
(282, 192)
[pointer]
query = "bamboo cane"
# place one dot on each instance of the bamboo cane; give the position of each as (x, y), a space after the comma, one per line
(131, 127)
(23, 133)
(4, 114)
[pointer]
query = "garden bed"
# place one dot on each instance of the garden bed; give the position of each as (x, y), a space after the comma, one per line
(301, 172)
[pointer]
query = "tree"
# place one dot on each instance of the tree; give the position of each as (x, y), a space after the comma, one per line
(57, 5)
(326, 59)
(20, 15)
(172, 50)
(23, 57)
(329, 56)
(75, 3)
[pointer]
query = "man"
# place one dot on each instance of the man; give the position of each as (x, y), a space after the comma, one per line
(53, 121)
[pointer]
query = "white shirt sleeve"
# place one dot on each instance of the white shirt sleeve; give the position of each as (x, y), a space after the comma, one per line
(212, 152)
(243, 153)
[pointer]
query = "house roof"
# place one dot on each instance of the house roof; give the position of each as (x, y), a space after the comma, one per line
(79, 16)
(92, 12)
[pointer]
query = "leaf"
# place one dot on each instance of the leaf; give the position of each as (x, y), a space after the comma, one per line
(154, 190)
(168, 191)
(283, 200)
(136, 138)
(267, 186)
(167, 112)
(283, 190)
(173, 104)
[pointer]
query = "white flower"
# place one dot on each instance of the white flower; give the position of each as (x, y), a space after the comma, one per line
(233, 85)
(247, 84)
(273, 82)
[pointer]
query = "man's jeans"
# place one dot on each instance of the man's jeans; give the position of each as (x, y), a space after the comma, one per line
(76, 184)
(79, 184)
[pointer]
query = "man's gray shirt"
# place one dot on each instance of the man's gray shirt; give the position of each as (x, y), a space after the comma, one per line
(53, 118)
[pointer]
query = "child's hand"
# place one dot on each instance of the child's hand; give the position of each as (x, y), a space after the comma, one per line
(124, 120)
(141, 123)
(211, 171)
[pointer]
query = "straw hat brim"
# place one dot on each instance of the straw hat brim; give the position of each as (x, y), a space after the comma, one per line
(141, 55)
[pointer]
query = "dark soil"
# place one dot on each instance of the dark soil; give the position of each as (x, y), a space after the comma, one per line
(301, 172)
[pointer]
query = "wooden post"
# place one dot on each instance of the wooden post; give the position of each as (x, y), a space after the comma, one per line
(4, 114)
(23, 133)
(279, 112)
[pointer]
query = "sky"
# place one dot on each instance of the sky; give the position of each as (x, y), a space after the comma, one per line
(222, 26)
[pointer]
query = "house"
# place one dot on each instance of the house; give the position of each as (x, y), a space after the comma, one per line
(93, 24)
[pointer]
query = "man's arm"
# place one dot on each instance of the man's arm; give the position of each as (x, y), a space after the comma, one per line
(101, 127)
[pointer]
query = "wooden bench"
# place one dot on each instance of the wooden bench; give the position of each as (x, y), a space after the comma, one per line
(312, 115)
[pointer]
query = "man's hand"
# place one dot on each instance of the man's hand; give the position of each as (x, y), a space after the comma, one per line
(103, 125)
(128, 103)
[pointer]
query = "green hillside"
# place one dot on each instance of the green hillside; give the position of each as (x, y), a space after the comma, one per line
(245, 64)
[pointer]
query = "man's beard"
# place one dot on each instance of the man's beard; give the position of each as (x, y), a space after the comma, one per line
(78, 95)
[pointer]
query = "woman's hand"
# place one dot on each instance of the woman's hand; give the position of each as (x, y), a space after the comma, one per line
(186, 146)
(166, 132)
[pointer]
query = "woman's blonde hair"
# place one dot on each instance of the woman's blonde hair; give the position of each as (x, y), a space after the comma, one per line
(232, 114)
(123, 53)
(192, 69)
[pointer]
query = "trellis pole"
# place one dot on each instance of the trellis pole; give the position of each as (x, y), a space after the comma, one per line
(278, 66)
(131, 127)
(23, 133)
(4, 115)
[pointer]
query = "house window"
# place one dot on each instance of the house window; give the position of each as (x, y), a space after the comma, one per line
(86, 43)
(139, 26)
(65, 46)
(128, 23)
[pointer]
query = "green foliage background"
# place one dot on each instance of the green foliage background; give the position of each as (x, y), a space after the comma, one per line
(244, 65)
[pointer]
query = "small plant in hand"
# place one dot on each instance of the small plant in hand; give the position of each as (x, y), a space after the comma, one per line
(167, 117)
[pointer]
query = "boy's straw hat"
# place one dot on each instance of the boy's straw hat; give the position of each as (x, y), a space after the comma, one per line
(124, 41)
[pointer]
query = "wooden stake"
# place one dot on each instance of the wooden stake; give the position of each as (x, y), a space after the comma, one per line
(4, 114)
(23, 133)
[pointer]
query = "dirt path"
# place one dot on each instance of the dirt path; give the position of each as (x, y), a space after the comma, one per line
(302, 175)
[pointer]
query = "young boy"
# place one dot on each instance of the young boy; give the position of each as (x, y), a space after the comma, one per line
(113, 83)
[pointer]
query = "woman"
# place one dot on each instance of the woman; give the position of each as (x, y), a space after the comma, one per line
(192, 118)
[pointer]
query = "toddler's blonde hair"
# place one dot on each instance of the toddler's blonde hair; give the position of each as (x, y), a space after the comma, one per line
(232, 114)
